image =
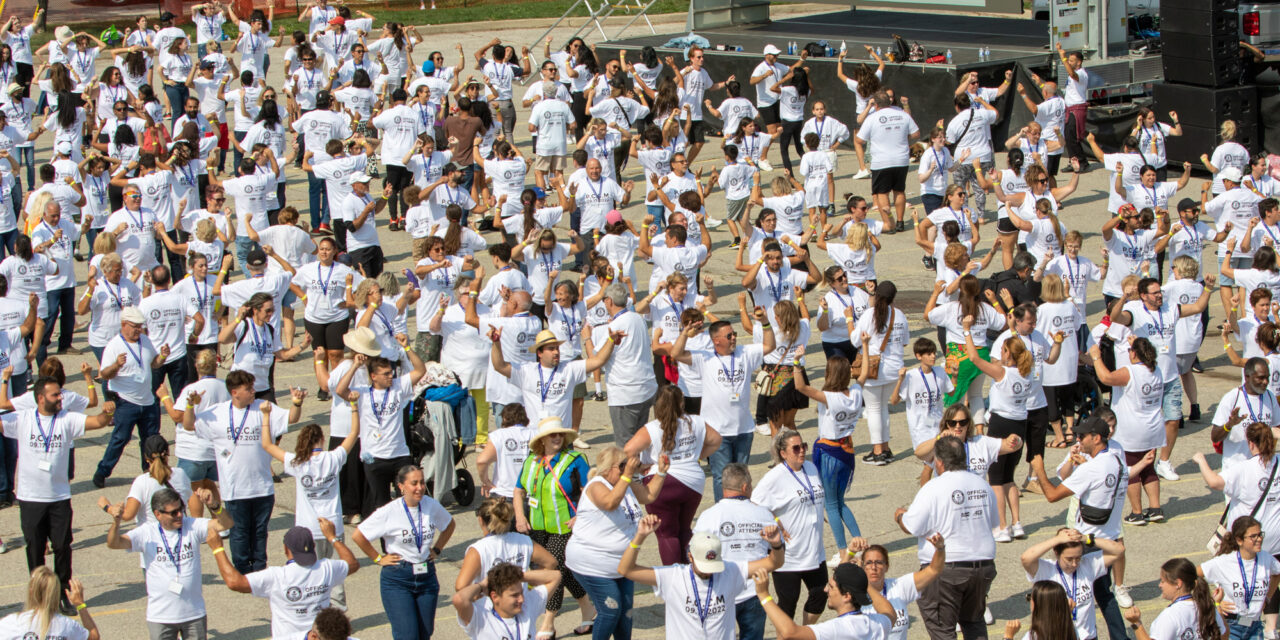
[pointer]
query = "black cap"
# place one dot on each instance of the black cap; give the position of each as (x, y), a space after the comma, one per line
(300, 543)
(1090, 426)
(207, 64)
(1187, 204)
(256, 258)
(852, 580)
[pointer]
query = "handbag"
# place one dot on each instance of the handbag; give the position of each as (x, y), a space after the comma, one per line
(873, 362)
(771, 378)
(1097, 516)
(1221, 532)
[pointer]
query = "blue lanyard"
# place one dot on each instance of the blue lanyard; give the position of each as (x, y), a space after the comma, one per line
(855, 612)
(244, 419)
(1152, 192)
(746, 142)
(839, 297)
(1157, 319)
(959, 217)
(929, 392)
(1249, 587)
(697, 599)
(418, 532)
(548, 262)
(46, 437)
(598, 193)
(733, 368)
(1266, 227)
(323, 281)
(427, 160)
(803, 481)
(1253, 417)
(1074, 583)
(544, 387)
(260, 347)
(679, 307)
(517, 635)
(385, 323)
(424, 115)
(188, 173)
(114, 294)
(775, 289)
(173, 557)
(444, 274)
(1179, 599)
(571, 319)
(817, 125)
(939, 166)
(137, 356)
(1070, 274)
(377, 411)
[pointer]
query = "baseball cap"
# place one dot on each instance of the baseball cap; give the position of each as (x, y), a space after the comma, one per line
(133, 315)
(770, 50)
(256, 258)
(1092, 425)
(539, 193)
(1187, 204)
(704, 548)
(302, 545)
(207, 64)
(613, 217)
(359, 176)
(63, 148)
(1231, 173)
(338, 20)
(428, 67)
(851, 579)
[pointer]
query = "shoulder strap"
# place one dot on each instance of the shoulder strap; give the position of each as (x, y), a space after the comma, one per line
(888, 330)
(968, 123)
(1265, 490)
(624, 111)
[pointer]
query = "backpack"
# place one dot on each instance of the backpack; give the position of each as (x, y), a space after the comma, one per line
(816, 50)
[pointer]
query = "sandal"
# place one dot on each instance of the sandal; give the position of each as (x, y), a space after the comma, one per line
(1070, 438)
(584, 628)
(1058, 444)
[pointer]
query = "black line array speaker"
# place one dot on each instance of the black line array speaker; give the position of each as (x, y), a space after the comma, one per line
(1222, 22)
(1197, 140)
(1206, 106)
(1200, 44)
(1203, 72)
(1171, 6)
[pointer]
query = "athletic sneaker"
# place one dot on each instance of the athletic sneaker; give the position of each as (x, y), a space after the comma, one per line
(871, 458)
(764, 165)
(902, 226)
(736, 242)
(1195, 413)
(579, 443)
(1136, 519)
(1165, 470)
(3, 547)
(763, 429)
(865, 173)
(712, 223)
(1122, 596)
(930, 262)
(1002, 535)
(882, 459)
(1153, 515)
(987, 617)
(1016, 531)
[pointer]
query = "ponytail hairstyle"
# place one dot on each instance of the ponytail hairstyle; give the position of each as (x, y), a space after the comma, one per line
(882, 301)
(1241, 526)
(1260, 436)
(1228, 131)
(1145, 352)
(155, 451)
(397, 34)
(668, 408)
(1267, 336)
(649, 57)
(496, 515)
(1022, 358)
(453, 236)
(1044, 209)
(528, 205)
(1016, 160)
(1182, 570)
(310, 438)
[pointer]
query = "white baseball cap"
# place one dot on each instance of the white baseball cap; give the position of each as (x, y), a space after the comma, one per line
(770, 50)
(359, 176)
(1232, 174)
(704, 548)
(133, 314)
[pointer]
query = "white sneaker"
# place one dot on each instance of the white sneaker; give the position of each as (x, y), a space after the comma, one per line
(579, 443)
(764, 165)
(987, 617)
(224, 533)
(1165, 470)
(1002, 535)
(1016, 531)
(865, 173)
(835, 560)
(763, 429)
(1122, 596)
(712, 223)
(3, 547)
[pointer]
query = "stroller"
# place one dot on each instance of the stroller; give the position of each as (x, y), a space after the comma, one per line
(422, 443)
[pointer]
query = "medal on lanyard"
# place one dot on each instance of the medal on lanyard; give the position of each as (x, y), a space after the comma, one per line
(323, 281)
(244, 420)
(419, 535)
(571, 319)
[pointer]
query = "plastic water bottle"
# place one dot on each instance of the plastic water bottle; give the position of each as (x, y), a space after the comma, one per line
(986, 53)
(948, 56)
(844, 48)
(879, 51)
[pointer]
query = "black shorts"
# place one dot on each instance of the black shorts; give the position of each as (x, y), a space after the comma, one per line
(370, 259)
(1005, 226)
(768, 115)
(697, 132)
(892, 179)
(327, 335)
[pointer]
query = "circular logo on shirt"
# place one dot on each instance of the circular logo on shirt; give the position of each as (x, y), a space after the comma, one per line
(1057, 321)
(293, 594)
(1148, 389)
(22, 269)
(1236, 204)
(727, 529)
(1111, 480)
(510, 445)
(841, 416)
(883, 119)
(1017, 388)
(957, 497)
(522, 337)
(1188, 634)
(313, 124)
(155, 314)
(248, 190)
(307, 481)
(30, 635)
(1262, 484)
(509, 174)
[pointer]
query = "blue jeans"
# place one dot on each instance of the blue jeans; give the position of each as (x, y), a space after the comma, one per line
(612, 598)
(659, 214)
(732, 449)
(248, 540)
(319, 200)
(1117, 628)
(8, 450)
(8, 240)
(178, 94)
(468, 177)
(27, 156)
(836, 475)
(751, 619)
(1241, 632)
(243, 246)
(236, 153)
(128, 416)
(409, 600)
(61, 306)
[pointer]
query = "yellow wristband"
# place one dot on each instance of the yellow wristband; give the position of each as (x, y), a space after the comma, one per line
(217, 511)
(319, 360)
(163, 398)
(223, 272)
(626, 479)
(408, 350)
(635, 546)
(304, 296)
(760, 261)
(378, 559)
(766, 599)
(219, 550)
(82, 606)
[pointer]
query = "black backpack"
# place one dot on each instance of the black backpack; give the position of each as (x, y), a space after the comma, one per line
(816, 50)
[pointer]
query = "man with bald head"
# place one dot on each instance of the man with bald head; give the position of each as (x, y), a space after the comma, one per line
(1051, 114)
(519, 329)
(629, 373)
(595, 194)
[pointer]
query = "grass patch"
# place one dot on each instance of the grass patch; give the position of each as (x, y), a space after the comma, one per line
(451, 12)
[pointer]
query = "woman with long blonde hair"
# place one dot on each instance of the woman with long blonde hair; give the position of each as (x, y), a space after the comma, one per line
(857, 256)
(41, 617)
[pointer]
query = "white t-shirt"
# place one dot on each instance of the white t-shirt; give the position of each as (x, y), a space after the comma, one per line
(900, 592)
(1077, 272)
(1243, 485)
(1139, 418)
(1079, 587)
(486, 624)
(297, 593)
(548, 392)
(552, 118)
(401, 527)
(1180, 621)
(317, 489)
(1160, 327)
(25, 625)
(863, 627)
(601, 536)
(45, 448)
(244, 468)
(726, 387)
(629, 372)
(887, 134)
(948, 316)
(796, 498)
(172, 560)
(1264, 409)
(133, 380)
(962, 507)
(512, 445)
(697, 607)
(923, 392)
(1127, 253)
(382, 419)
(1101, 482)
(977, 137)
(1242, 582)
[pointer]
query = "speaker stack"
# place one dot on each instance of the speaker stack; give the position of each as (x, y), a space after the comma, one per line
(1202, 68)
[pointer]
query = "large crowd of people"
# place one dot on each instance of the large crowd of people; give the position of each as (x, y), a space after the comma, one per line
(527, 303)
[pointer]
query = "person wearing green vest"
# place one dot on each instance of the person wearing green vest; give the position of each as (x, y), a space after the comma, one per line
(546, 501)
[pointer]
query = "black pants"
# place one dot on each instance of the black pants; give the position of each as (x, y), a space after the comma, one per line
(340, 233)
(399, 178)
(175, 371)
(787, 586)
(370, 259)
(578, 105)
(47, 524)
(1037, 432)
(380, 474)
(351, 480)
(957, 596)
(791, 135)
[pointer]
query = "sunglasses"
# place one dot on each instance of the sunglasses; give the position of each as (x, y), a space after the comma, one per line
(133, 195)
(957, 423)
(172, 514)
(799, 448)
(217, 199)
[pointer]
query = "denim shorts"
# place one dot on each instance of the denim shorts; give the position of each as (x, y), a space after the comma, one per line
(1236, 263)
(289, 299)
(1171, 401)
(198, 470)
